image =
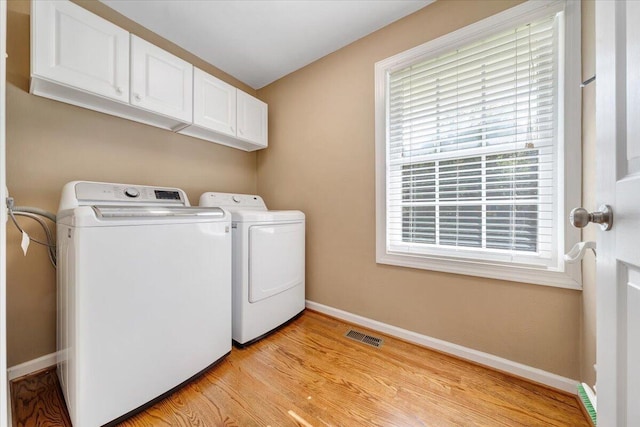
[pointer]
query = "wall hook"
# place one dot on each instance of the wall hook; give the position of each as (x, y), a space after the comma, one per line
(577, 252)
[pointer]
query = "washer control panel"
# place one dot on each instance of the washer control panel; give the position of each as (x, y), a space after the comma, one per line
(90, 193)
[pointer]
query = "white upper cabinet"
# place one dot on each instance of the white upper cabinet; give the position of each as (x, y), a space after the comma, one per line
(214, 103)
(160, 81)
(75, 47)
(226, 115)
(80, 58)
(252, 119)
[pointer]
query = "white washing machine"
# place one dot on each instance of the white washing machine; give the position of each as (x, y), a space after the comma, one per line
(144, 296)
(268, 265)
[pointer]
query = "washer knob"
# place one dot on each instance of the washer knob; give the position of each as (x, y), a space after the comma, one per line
(236, 199)
(131, 192)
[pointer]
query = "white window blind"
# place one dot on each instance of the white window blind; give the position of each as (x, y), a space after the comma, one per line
(472, 149)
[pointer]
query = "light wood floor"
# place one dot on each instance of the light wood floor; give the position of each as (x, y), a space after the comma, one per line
(309, 374)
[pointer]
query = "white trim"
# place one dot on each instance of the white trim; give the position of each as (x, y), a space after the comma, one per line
(504, 365)
(485, 269)
(572, 136)
(5, 407)
(31, 366)
(561, 274)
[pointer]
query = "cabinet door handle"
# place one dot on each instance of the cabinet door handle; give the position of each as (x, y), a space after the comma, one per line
(137, 97)
(240, 132)
(119, 90)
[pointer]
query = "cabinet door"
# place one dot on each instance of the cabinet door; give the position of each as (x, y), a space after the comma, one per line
(252, 119)
(79, 49)
(160, 81)
(214, 103)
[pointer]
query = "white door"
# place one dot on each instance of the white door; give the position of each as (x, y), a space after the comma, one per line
(73, 46)
(252, 119)
(214, 103)
(161, 82)
(618, 181)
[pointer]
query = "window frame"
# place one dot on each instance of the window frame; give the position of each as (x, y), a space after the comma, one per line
(569, 171)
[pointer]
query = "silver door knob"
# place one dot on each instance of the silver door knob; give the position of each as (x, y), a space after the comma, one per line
(580, 217)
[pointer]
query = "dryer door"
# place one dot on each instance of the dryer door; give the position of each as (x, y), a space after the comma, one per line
(276, 259)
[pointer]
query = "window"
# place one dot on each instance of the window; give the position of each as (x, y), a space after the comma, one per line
(478, 148)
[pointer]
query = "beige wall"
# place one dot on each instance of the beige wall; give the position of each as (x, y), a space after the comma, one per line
(50, 143)
(321, 160)
(588, 332)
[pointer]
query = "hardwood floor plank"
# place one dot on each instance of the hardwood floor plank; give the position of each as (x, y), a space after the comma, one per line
(309, 374)
(37, 401)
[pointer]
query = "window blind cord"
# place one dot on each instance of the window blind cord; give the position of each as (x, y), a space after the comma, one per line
(35, 214)
(512, 217)
(414, 221)
(529, 140)
(458, 141)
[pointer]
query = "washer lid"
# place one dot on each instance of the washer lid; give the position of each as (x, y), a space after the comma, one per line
(248, 215)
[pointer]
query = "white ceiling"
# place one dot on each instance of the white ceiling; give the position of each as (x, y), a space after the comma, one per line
(259, 41)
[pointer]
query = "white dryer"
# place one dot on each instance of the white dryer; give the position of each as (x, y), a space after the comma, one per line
(268, 265)
(144, 296)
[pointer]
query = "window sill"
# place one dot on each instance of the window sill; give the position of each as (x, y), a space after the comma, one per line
(568, 279)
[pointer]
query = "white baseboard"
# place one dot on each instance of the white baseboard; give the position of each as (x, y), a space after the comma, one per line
(31, 366)
(518, 369)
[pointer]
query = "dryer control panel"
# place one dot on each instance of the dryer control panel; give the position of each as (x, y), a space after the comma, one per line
(230, 200)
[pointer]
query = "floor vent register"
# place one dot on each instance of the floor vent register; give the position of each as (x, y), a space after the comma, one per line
(364, 338)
